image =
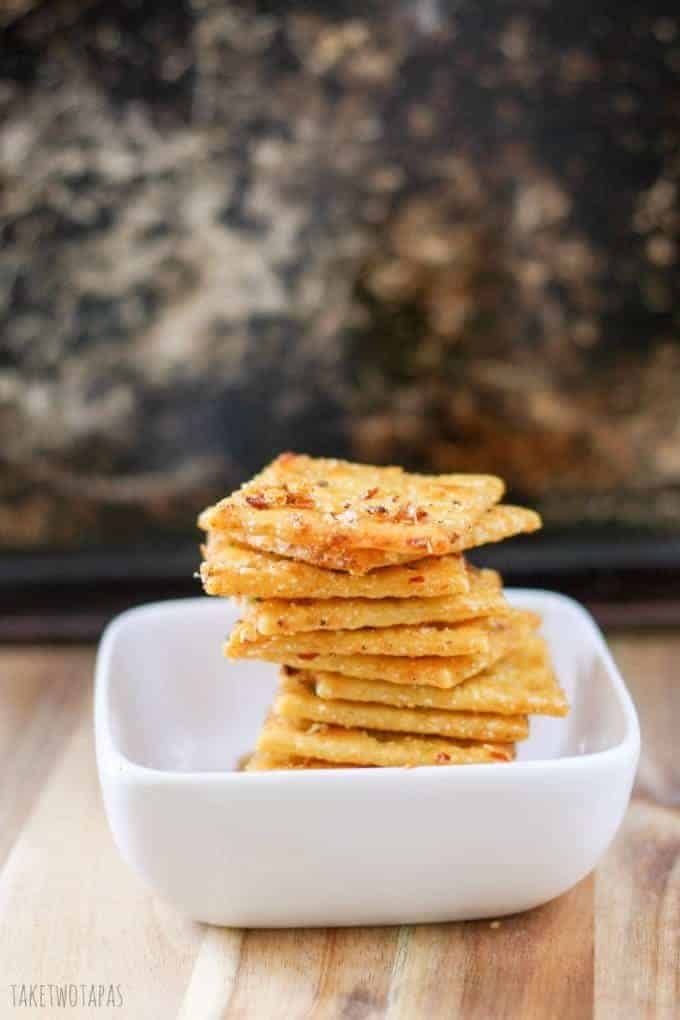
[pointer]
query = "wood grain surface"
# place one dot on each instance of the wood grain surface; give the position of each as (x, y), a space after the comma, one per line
(71, 911)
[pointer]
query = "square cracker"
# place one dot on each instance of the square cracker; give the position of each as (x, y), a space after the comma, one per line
(261, 761)
(336, 512)
(522, 683)
(277, 616)
(231, 569)
(282, 737)
(424, 639)
(437, 671)
(355, 562)
(497, 523)
(296, 700)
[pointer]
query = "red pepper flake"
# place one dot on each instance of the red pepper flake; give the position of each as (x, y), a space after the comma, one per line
(404, 513)
(442, 757)
(410, 512)
(416, 580)
(258, 501)
(308, 655)
(299, 499)
(370, 493)
(380, 510)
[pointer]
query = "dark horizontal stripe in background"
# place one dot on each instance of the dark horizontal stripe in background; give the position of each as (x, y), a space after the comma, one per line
(631, 580)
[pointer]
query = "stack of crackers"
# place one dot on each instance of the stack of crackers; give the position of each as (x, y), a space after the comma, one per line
(394, 651)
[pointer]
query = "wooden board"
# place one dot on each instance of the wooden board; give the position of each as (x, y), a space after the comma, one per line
(638, 888)
(71, 911)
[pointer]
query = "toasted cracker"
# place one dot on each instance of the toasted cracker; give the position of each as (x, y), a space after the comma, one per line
(282, 737)
(261, 761)
(522, 683)
(497, 523)
(336, 512)
(278, 616)
(425, 639)
(296, 700)
(356, 562)
(236, 570)
(437, 671)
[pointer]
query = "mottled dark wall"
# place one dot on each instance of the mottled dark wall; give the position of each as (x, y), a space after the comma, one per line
(438, 233)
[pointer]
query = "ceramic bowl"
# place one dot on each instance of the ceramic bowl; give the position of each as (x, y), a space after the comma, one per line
(346, 846)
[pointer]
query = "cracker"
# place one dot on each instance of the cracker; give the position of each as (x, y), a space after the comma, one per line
(335, 512)
(282, 737)
(296, 700)
(261, 761)
(356, 562)
(498, 523)
(236, 570)
(522, 683)
(436, 671)
(425, 639)
(277, 616)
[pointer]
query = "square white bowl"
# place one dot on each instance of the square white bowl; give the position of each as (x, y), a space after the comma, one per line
(348, 846)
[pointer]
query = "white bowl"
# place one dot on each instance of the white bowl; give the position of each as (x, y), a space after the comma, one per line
(348, 846)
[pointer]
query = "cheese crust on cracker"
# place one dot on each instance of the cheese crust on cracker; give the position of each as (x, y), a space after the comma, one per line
(350, 516)
(223, 564)
(522, 683)
(296, 700)
(230, 569)
(271, 617)
(282, 737)
(499, 523)
(424, 639)
(261, 761)
(437, 671)
(495, 525)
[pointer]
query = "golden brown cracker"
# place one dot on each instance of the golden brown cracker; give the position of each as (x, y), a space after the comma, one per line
(296, 700)
(261, 761)
(424, 639)
(237, 570)
(355, 562)
(332, 509)
(436, 671)
(498, 523)
(282, 737)
(278, 616)
(522, 683)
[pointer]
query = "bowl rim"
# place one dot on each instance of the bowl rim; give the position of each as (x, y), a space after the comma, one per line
(111, 761)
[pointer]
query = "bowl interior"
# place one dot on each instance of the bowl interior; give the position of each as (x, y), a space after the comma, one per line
(175, 703)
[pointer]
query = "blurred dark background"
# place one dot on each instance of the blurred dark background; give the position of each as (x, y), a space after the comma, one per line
(443, 234)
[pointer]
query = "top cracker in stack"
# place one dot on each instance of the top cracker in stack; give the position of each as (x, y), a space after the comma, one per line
(355, 518)
(358, 573)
